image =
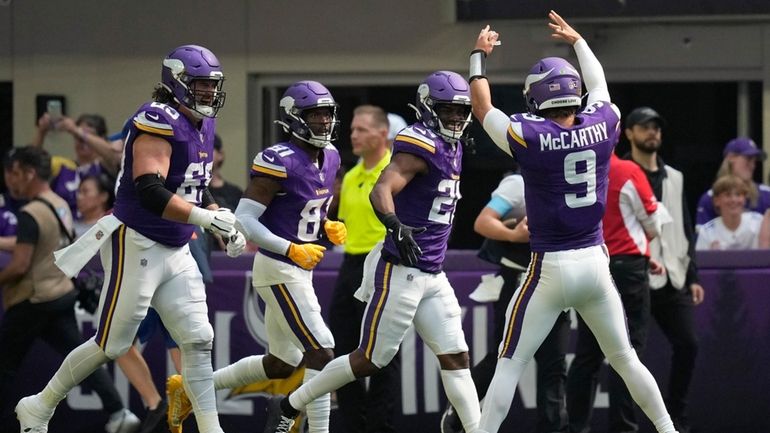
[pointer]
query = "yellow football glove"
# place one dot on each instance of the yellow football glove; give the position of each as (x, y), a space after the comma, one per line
(336, 231)
(306, 256)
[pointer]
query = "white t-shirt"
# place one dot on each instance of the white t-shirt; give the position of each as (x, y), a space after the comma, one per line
(715, 236)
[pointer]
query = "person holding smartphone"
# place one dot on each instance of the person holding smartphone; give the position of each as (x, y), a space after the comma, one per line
(94, 155)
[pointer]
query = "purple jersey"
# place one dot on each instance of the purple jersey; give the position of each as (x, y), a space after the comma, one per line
(565, 171)
(428, 200)
(8, 221)
(66, 178)
(189, 172)
(298, 209)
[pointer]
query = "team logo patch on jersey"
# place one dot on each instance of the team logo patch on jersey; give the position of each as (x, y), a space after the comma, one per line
(99, 235)
(143, 263)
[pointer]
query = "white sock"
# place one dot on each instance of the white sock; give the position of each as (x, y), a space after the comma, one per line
(499, 396)
(317, 411)
(461, 393)
(245, 371)
(336, 373)
(197, 378)
(78, 365)
(643, 388)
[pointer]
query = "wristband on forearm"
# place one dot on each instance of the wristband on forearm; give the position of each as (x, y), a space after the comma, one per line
(199, 217)
(478, 65)
(389, 220)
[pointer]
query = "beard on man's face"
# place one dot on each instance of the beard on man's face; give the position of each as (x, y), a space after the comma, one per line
(647, 146)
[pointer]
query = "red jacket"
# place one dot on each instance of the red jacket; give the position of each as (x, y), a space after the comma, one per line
(630, 206)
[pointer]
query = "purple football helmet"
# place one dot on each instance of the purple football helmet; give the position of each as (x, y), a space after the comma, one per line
(300, 98)
(188, 63)
(552, 82)
(443, 87)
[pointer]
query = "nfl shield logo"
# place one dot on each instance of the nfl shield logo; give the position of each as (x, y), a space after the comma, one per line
(99, 235)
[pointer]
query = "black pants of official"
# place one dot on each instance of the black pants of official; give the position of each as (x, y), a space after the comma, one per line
(631, 279)
(362, 410)
(54, 322)
(550, 358)
(672, 309)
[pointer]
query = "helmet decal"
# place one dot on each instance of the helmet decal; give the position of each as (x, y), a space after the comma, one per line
(186, 64)
(299, 100)
(552, 82)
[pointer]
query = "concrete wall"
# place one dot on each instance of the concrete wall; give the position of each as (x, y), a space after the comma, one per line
(104, 55)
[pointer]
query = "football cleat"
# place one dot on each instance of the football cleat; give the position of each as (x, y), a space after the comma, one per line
(450, 421)
(32, 416)
(179, 406)
(277, 422)
(122, 422)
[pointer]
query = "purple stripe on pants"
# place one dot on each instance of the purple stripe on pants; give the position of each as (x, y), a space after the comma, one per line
(113, 288)
(514, 325)
(376, 306)
(294, 317)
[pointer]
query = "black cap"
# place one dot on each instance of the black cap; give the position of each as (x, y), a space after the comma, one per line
(217, 142)
(642, 115)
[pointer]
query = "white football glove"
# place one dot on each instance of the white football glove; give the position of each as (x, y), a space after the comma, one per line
(220, 221)
(236, 244)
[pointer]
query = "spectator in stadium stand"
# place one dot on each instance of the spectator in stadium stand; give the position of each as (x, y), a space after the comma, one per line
(736, 228)
(38, 298)
(741, 155)
(225, 193)
(94, 154)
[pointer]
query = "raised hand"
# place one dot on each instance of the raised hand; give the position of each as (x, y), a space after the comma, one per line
(487, 40)
(561, 30)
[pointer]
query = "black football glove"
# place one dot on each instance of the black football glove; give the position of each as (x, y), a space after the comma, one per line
(402, 236)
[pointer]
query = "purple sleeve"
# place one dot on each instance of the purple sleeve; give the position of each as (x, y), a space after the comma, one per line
(705, 211)
(8, 223)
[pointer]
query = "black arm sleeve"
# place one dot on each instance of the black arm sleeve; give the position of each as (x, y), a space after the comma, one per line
(27, 231)
(152, 193)
(207, 199)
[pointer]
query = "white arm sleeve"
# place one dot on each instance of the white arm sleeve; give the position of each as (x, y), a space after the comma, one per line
(593, 74)
(496, 124)
(247, 214)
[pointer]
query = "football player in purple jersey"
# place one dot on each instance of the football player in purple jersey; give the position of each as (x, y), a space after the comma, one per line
(161, 195)
(564, 154)
(283, 211)
(404, 285)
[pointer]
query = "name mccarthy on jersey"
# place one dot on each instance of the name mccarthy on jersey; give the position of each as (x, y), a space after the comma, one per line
(580, 137)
